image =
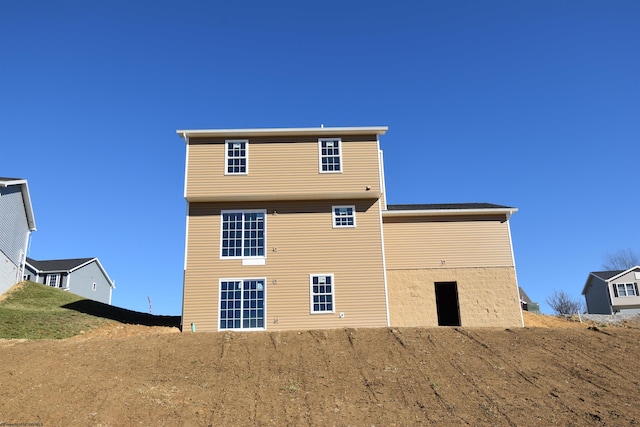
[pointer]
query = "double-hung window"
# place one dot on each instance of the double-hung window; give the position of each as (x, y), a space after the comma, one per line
(330, 153)
(236, 157)
(243, 234)
(322, 300)
(344, 216)
(625, 289)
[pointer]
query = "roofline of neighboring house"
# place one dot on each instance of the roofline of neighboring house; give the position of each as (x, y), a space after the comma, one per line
(609, 280)
(26, 197)
(236, 133)
(449, 212)
(111, 284)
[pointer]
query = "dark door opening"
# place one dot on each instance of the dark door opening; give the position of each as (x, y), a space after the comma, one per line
(447, 304)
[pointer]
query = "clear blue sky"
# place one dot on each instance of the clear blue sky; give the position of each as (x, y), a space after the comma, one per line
(532, 104)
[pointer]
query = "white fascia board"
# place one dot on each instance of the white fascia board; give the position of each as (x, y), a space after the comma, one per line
(375, 130)
(24, 187)
(452, 212)
(111, 284)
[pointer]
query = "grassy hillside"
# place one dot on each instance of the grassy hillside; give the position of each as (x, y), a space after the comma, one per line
(34, 311)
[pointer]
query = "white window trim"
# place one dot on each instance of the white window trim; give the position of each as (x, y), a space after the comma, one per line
(58, 280)
(626, 291)
(226, 156)
(320, 141)
(242, 280)
(243, 257)
(333, 216)
(333, 293)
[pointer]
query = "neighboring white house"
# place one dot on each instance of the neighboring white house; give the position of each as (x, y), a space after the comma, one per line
(614, 291)
(82, 276)
(16, 224)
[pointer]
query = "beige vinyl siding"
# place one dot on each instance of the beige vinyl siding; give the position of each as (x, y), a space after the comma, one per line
(300, 241)
(284, 167)
(425, 242)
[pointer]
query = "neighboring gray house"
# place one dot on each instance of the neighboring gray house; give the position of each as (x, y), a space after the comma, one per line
(16, 225)
(609, 292)
(82, 276)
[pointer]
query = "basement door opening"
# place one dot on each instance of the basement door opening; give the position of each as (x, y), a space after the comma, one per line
(447, 303)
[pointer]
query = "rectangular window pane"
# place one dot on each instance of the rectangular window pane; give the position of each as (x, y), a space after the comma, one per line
(329, 155)
(238, 305)
(243, 234)
(321, 293)
(236, 154)
(344, 216)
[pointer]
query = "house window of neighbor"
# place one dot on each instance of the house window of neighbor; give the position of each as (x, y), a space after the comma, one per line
(94, 286)
(626, 289)
(53, 280)
(242, 304)
(236, 155)
(330, 155)
(344, 216)
(243, 234)
(322, 293)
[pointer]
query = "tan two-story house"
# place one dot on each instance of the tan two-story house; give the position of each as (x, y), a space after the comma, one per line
(290, 229)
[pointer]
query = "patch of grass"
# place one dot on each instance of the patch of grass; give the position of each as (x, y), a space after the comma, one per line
(35, 311)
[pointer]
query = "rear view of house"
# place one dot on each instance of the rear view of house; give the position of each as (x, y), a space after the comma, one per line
(290, 229)
(82, 276)
(16, 224)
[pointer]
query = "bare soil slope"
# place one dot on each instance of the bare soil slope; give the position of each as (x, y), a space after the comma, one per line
(135, 375)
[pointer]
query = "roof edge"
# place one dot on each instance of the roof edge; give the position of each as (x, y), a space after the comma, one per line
(26, 198)
(451, 212)
(374, 130)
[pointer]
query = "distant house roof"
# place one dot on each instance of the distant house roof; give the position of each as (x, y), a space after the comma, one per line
(24, 187)
(58, 264)
(607, 276)
(65, 266)
(447, 209)
(523, 295)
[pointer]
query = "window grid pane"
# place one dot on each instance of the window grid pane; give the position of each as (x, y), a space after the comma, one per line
(321, 294)
(242, 304)
(236, 157)
(243, 234)
(344, 216)
(330, 155)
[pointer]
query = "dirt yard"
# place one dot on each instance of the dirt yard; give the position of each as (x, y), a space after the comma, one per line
(557, 373)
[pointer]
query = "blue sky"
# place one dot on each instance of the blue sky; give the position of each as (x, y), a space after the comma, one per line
(532, 104)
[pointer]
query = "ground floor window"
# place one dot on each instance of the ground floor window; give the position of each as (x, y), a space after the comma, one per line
(322, 293)
(53, 280)
(242, 304)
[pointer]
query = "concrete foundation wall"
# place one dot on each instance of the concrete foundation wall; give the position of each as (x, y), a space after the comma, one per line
(488, 296)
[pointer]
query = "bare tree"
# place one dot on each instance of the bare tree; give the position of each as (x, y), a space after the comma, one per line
(622, 259)
(562, 303)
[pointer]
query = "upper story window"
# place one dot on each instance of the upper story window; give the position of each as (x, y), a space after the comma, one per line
(243, 234)
(344, 216)
(330, 155)
(625, 289)
(236, 156)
